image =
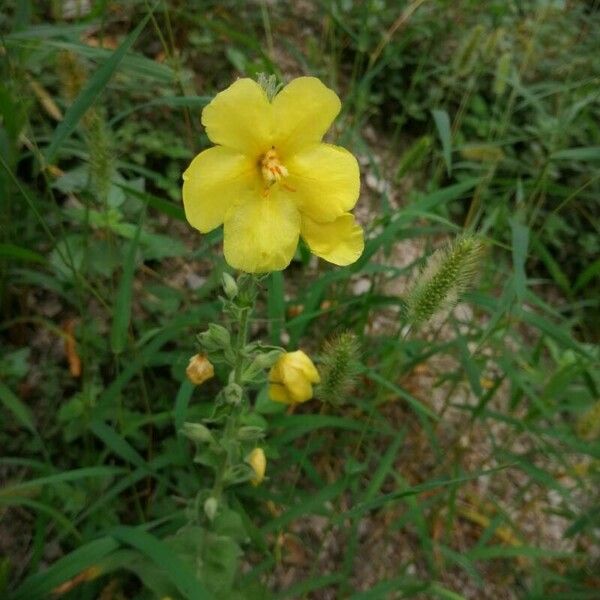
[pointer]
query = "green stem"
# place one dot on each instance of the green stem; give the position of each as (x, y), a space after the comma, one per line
(232, 417)
(240, 344)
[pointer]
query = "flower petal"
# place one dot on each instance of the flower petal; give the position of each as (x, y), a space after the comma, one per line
(297, 385)
(279, 393)
(325, 180)
(302, 112)
(340, 242)
(299, 360)
(261, 233)
(240, 117)
(213, 183)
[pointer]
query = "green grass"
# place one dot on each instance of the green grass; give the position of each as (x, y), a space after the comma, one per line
(458, 464)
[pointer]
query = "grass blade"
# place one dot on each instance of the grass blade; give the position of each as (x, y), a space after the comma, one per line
(442, 123)
(122, 311)
(90, 93)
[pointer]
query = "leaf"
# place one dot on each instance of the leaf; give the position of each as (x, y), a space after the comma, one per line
(90, 93)
(442, 122)
(12, 251)
(73, 475)
(584, 153)
(181, 403)
(590, 272)
(40, 585)
(165, 559)
(17, 408)
(116, 443)
(414, 403)
(520, 242)
(310, 502)
(164, 206)
(122, 309)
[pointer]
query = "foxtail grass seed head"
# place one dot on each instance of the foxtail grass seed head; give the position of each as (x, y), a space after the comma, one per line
(502, 74)
(258, 462)
(588, 425)
(448, 273)
(101, 153)
(468, 52)
(71, 73)
(339, 368)
(199, 369)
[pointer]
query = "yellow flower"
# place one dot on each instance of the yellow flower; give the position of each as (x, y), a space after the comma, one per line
(291, 378)
(199, 369)
(258, 461)
(270, 179)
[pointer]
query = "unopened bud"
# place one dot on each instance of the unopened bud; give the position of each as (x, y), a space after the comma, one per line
(258, 461)
(216, 337)
(267, 359)
(229, 286)
(211, 506)
(197, 432)
(250, 432)
(233, 393)
(199, 369)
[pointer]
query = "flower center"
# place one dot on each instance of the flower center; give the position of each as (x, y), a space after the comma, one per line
(272, 168)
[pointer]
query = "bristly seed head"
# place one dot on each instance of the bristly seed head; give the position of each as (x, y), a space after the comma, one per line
(448, 273)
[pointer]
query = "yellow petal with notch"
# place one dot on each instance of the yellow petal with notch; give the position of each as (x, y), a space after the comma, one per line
(324, 181)
(261, 233)
(302, 112)
(340, 242)
(240, 118)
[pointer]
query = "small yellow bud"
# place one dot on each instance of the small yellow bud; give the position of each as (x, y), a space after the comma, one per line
(199, 369)
(258, 461)
(291, 378)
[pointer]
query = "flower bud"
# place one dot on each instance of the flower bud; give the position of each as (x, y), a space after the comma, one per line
(216, 337)
(229, 286)
(258, 461)
(211, 506)
(197, 432)
(199, 369)
(261, 362)
(250, 432)
(233, 393)
(266, 360)
(291, 378)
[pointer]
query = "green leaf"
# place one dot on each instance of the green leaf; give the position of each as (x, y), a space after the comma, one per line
(17, 408)
(442, 122)
(520, 243)
(584, 153)
(90, 92)
(164, 206)
(40, 585)
(73, 475)
(122, 309)
(590, 272)
(413, 402)
(14, 252)
(116, 443)
(162, 555)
